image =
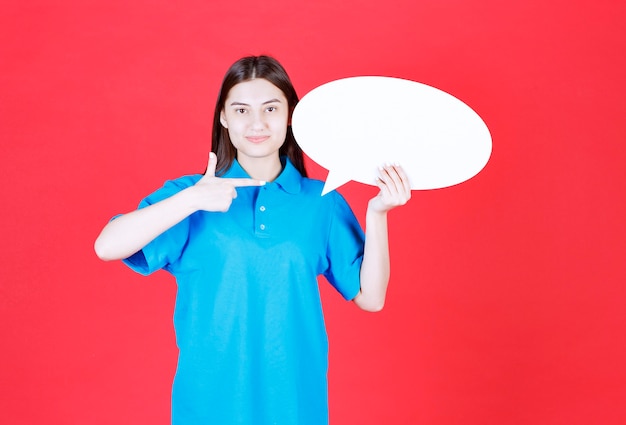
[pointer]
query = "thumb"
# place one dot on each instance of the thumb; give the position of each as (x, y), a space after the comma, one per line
(210, 169)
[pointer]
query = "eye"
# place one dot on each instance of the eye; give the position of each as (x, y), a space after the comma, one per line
(240, 110)
(271, 108)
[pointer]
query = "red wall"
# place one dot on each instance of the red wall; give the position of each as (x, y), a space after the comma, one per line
(507, 301)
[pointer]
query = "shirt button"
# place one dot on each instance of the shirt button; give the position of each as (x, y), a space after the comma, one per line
(262, 208)
(262, 226)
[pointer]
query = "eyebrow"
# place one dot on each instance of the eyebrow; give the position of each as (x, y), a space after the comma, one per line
(264, 103)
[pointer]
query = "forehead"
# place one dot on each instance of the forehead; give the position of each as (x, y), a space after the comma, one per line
(254, 91)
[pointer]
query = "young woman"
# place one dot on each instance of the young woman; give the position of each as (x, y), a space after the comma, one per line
(246, 242)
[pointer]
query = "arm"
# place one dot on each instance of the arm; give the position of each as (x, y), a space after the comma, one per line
(129, 233)
(394, 191)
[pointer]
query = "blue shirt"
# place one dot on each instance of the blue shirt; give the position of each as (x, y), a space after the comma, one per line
(248, 318)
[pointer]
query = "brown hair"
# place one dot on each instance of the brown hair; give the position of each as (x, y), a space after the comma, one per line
(246, 69)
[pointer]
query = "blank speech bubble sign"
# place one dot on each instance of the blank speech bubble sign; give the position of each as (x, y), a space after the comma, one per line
(354, 125)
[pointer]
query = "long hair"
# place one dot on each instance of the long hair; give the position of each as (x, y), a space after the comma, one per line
(246, 69)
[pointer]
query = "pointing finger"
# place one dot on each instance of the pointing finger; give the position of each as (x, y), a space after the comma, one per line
(245, 182)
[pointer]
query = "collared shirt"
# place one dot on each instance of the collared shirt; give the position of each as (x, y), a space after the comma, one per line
(248, 318)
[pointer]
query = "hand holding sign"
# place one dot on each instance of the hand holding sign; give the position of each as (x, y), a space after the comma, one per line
(354, 125)
(394, 186)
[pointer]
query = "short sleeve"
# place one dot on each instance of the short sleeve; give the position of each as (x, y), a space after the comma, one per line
(166, 248)
(344, 251)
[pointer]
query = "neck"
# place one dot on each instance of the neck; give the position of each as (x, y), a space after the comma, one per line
(266, 169)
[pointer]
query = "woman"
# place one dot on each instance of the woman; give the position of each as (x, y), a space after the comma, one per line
(246, 242)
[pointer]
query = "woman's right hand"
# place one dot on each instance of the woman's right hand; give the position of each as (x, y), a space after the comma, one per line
(130, 232)
(216, 194)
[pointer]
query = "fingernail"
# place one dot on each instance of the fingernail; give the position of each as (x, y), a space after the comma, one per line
(262, 182)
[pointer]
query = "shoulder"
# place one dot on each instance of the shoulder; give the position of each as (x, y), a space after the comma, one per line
(313, 188)
(171, 187)
(183, 182)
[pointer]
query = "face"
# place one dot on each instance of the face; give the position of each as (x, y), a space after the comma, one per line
(256, 114)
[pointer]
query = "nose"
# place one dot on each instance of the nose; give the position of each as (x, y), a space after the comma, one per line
(258, 121)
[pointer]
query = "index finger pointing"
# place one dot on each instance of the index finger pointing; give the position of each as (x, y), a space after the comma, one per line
(242, 182)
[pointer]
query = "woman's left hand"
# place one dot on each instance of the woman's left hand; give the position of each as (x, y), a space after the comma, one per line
(395, 189)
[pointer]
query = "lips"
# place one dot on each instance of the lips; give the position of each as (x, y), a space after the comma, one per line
(257, 139)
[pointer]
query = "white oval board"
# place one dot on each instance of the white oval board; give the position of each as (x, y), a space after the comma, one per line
(354, 125)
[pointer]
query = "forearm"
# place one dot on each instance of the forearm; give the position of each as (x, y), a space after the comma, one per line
(395, 190)
(375, 268)
(130, 232)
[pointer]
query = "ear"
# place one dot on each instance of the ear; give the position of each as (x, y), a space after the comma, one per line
(223, 119)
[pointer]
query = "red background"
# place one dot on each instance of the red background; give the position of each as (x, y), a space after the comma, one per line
(507, 300)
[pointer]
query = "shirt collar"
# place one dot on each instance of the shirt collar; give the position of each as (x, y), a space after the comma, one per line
(290, 179)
